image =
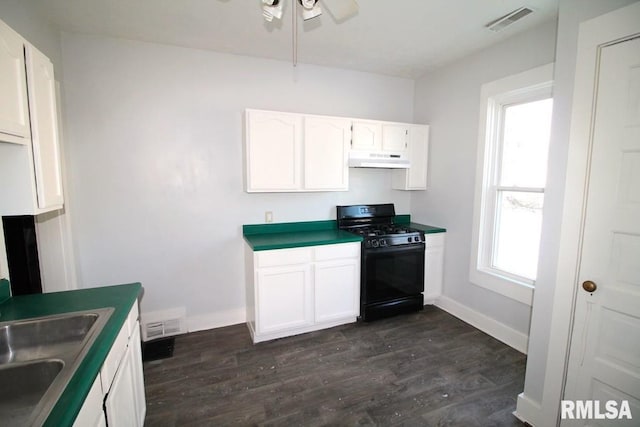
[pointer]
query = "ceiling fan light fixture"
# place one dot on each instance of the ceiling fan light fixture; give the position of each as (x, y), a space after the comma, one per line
(272, 9)
(310, 9)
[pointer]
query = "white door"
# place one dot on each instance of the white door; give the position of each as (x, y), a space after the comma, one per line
(326, 152)
(284, 298)
(119, 404)
(337, 286)
(604, 361)
(14, 109)
(394, 138)
(44, 128)
(418, 155)
(366, 136)
(274, 151)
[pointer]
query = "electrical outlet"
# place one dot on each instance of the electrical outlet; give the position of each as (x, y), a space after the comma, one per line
(268, 216)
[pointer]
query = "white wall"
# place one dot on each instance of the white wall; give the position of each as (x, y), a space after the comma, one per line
(449, 100)
(155, 136)
(571, 14)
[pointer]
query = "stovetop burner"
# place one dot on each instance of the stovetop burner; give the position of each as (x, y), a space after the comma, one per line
(375, 224)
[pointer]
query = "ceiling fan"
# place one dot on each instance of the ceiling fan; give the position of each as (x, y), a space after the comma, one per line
(339, 9)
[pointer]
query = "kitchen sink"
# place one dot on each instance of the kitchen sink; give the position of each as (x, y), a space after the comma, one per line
(38, 357)
(44, 337)
(23, 387)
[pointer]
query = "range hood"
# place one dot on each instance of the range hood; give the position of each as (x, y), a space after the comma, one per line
(367, 159)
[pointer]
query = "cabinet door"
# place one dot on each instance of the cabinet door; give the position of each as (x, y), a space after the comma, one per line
(274, 151)
(394, 137)
(337, 289)
(418, 156)
(284, 298)
(44, 128)
(326, 151)
(120, 405)
(433, 265)
(14, 107)
(414, 178)
(137, 375)
(92, 414)
(367, 136)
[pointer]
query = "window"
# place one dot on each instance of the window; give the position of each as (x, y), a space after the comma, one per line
(512, 169)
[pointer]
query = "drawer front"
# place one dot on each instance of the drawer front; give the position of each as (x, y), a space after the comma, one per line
(281, 257)
(339, 251)
(434, 239)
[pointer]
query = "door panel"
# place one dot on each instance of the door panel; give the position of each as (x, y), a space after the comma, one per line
(604, 358)
(14, 109)
(326, 148)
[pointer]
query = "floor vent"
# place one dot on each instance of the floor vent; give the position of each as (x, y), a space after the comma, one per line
(511, 17)
(163, 324)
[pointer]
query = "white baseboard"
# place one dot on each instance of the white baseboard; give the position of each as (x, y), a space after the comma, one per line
(527, 410)
(203, 322)
(486, 324)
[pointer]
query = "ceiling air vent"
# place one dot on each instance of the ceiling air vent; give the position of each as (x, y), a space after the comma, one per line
(511, 17)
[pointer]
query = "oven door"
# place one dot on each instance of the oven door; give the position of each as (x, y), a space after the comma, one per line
(392, 273)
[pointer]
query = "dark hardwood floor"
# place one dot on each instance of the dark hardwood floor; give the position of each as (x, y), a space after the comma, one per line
(422, 369)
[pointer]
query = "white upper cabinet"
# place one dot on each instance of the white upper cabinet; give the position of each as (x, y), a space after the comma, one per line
(14, 108)
(394, 137)
(326, 151)
(30, 163)
(295, 152)
(274, 151)
(370, 135)
(367, 135)
(414, 178)
(44, 128)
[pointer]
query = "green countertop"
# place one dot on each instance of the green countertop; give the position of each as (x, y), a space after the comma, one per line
(120, 297)
(263, 237)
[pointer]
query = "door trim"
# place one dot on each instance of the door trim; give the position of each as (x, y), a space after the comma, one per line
(616, 26)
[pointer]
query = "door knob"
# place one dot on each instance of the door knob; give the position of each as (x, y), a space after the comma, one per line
(589, 286)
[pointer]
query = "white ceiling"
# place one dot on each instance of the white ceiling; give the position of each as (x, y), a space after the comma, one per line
(403, 38)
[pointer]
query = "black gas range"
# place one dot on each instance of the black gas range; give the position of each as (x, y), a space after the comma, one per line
(392, 266)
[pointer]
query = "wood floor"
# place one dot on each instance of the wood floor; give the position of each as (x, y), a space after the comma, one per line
(422, 369)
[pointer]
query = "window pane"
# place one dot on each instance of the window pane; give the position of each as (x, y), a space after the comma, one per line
(517, 233)
(525, 144)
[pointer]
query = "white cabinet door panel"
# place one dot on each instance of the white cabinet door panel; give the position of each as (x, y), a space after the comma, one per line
(274, 151)
(336, 289)
(367, 136)
(326, 151)
(119, 404)
(284, 298)
(14, 108)
(418, 156)
(44, 124)
(394, 137)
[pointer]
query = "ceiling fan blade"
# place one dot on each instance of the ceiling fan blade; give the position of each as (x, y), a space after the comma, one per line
(341, 9)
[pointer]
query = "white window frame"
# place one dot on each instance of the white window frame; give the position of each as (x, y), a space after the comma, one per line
(529, 86)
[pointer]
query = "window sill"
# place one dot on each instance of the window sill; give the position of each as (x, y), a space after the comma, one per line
(510, 288)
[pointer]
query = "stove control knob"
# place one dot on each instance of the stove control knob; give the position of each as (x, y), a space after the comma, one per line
(383, 242)
(417, 239)
(409, 239)
(374, 243)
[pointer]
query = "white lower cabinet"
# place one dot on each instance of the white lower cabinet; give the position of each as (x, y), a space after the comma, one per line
(92, 412)
(292, 291)
(433, 266)
(284, 294)
(117, 395)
